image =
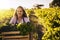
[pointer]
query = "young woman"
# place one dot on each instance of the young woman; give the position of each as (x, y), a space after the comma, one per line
(19, 16)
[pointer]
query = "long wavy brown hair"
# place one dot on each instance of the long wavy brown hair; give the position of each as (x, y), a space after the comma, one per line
(24, 13)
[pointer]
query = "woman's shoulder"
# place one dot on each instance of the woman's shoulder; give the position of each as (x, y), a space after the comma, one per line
(26, 19)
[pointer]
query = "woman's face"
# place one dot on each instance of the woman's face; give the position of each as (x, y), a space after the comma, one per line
(19, 12)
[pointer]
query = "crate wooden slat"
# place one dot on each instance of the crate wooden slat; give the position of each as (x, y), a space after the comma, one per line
(15, 37)
(11, 32)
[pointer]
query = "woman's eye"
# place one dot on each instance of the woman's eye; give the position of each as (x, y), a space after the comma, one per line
(19, 11)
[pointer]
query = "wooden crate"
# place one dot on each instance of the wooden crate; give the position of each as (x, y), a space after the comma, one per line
(11, 36)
